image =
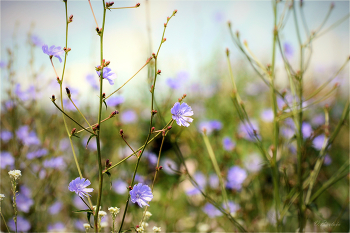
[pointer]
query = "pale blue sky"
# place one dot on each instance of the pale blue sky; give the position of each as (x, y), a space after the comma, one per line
(196, 36)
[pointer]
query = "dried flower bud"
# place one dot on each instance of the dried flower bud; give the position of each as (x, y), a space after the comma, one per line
(113, 113)
(169, 127)
(121, 132)
(130, 188)
(152, 89)
(164, 40)
(153, 55)
(73, 131)
(103, 95)
(109, 4)
(159, 71)
(165, 24)
(175, 11)
(152, 129)
(332, 5)
(108, 163)
(58, 79)
(184, 96)
(53, 98)
(179, 99)
(154, 112)
(107, 63)
(138, 4)
(163, 133)
(237, 33)
(160, 168)
(68, 92)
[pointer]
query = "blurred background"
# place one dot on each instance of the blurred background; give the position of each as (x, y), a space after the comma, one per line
(192, 61)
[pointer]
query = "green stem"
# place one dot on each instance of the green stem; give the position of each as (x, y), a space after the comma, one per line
(80, 112)
(99, 159)
(4, 222)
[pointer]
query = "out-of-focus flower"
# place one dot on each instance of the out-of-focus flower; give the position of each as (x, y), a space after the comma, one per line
(3, 64)
(107, 74)
(253, 162)
(78, 203)
(115, 100)
(24, 202)
(213, 181)
(327, 160)
(209, 126)
(22, 224)
(53, 51)
(306, 130)
(15, 174)
(318, 120)
(201, 180)
(151, 157)
(93, 82)
(318, 142)
(114, 210)
(55, 163)
(148, 214)
(139, 178)
(35, 40)
(79, 187)
(176, 83)
(255, 89)
(288, 50)
(156, 229)
(232, 206)
(92, 143)
(165, 163)
(141, 194)
(228, 144)
(181, 114)
(2, 197)
(37, 154)
(79, 225)
(56, 227)
(27, 138)
(6, 159)
(86, 226)
(267, 115)
(6, 135)
(140, 229)
(64, 144)
(119, 186)
(28, 94)
(55, 208)
(128, 116)
(211, 210)
(248, 131)
(102, 213)
(235, 177)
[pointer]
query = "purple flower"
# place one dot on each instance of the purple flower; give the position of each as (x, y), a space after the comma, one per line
(92, 143)
(201, 180)
(288, 50)
(79, 224)
(267, 115)
(214, 181)
(6, 159)
(139, 178)
(232, 206)
(79, 187)
(168, 166)
(22, 224)
(24, 202)
(235, 178)
(228, 144)
(210, 126)
(37, 154)
(248, 131)
(128, 116)
(253, 162)
(327, 160)
(107, 74)
(211, 210)
(36, 40)
(55, 163)
(175, 83)
(93, 82)
(28, 138)
(64, 144)
(25, 191)
(181, 113)
(57, 227)
(6, 135)
(141, 194)
(151, 157)
(306, 130)
(119, 186)
(318, 120)
(55, 208)
(115, 100)
(318, 142)
(78, 203)
(3, 64)
(53, 51)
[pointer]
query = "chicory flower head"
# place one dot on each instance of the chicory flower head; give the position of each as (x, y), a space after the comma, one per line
(181, 113)
(79, 187)
(53, 51)
(141, 194)
(107, 74)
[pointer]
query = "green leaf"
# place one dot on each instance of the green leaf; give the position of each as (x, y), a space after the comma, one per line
(104, 101)
(75, 136)
(82, 211)
(91, 136)
(110, 179)
(88, 215)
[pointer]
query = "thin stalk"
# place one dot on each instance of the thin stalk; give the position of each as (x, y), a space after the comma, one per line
(93, 14)
(216, 168)
(126, 7)
(80, 113)
(4, 222)
(92, 125)
(99, 159)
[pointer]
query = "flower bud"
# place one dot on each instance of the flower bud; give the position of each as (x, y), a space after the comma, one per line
(159, 71)
(154, 112)
(169, 127)
(68, 92)
(130, 188)
(53, 98)
(164, 40)
(107, 63)
(113, 113)
(73, 131)
(108, 163)
(121, 132)
(227, 52)
(138, 4)
(103, 95)
(160, 168)
(175, 11)
(152, 129)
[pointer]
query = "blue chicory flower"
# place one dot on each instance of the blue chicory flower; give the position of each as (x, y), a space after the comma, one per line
(210, 126)
(36, 40)
(107, 74)
(93, 82)
(175, 83)
(128, 116)
(79, 187)
(55, 163)
(235, 177)
(115, 100)
(119, 186)
(53, 51)
(24, 202)
(318, 142)
(267, 115)
(181, 113)
(37, 154)
(327, 160)
(6, 159)
(55, 208)
(56, 227)
(232, 206)
(28, 138)
(288, 50)
(248, 131)
(228, 144)
(3, 64)
(22, 224)
(141, 194)
(6, 135)
(214, 181)
(211, 210)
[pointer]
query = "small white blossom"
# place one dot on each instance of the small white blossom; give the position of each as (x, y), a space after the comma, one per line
(94, 207)
(114, 210)
(156, 229)
(2, 197)
(86, 226)
(102, 213)
(104, 224)
(148, 214)
(140, 229)
(144, 224)
(15, 174)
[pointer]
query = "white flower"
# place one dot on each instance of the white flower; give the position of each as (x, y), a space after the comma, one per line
(102, 213)
(144, 224)
(156, 229)
(86, 226)
(148, 214)
(140, 229)
(94, 207)
(104, 224)
(15, 174)
(114, 210)
(2, 197)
